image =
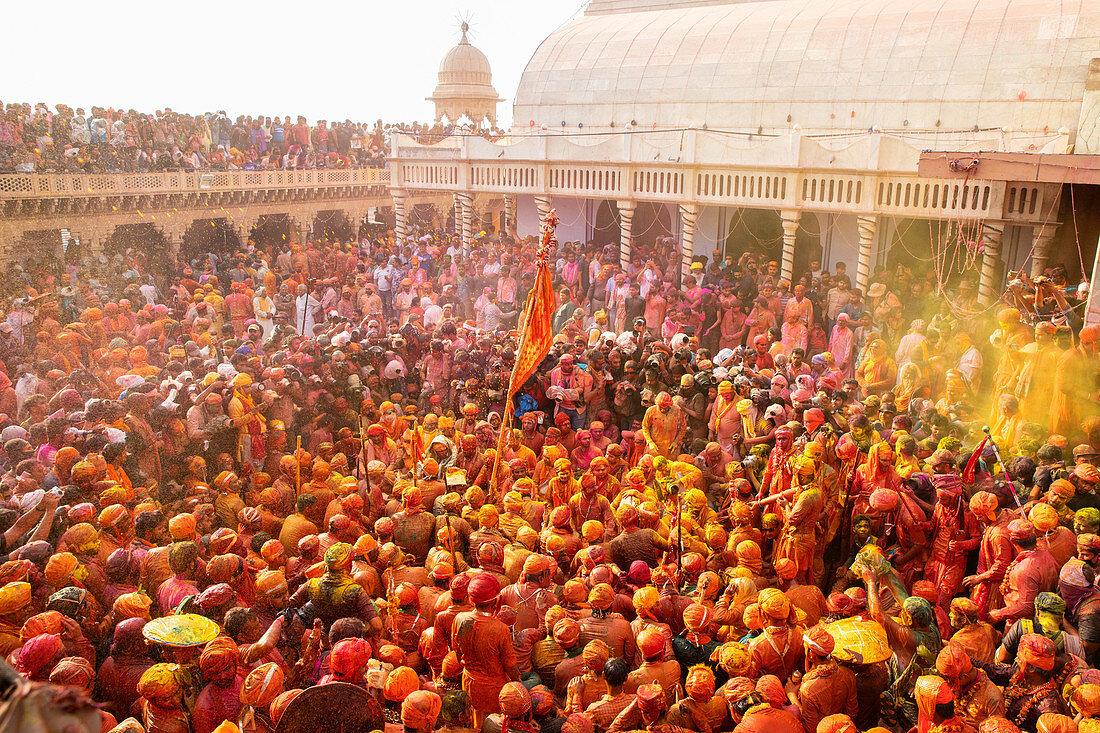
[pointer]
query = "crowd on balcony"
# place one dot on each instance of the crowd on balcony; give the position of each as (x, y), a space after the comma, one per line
(38, 139)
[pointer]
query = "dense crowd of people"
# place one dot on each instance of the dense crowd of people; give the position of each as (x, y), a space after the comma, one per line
(723, 502)
(37, 139)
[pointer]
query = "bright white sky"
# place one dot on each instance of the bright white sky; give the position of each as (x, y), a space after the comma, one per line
(333, 59)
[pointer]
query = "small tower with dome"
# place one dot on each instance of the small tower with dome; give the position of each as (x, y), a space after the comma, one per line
(465, 87)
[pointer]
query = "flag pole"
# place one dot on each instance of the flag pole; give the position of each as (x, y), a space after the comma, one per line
(549, 241)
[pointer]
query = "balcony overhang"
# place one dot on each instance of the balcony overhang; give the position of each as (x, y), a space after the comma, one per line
(1023, 167)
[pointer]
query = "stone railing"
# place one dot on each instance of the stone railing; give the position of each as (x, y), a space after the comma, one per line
(65, 185)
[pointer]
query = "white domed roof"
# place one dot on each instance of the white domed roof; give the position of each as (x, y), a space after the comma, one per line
(465, 64)
(818, 64)
(465, 84)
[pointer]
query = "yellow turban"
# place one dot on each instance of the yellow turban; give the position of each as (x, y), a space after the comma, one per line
(160, 680)
(14, 596)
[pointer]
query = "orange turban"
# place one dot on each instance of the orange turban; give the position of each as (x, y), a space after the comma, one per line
(953, 661)
(60, 567)
(391, 654)
(929, 692)
(700, 683)
(47, 622)
(514, 699)
(651, 642)
(223, 568)
(401, 683)
(14, 596)
(1086, 699)
(81, 537)
(774, 604)
(601, 597)
(74, 671)
(219, 653)
(182, 527)
(271, 582)
(133, 605)
(645, 599)
(595, 655)
(262, 685)
(696, 616)
(348, 656)
(566, 632)
(420, 710)
(785, 568)
(1038, 650)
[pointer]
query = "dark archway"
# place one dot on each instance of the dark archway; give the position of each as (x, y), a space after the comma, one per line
(217, 236)
(144, 238)
(807, 244)
(758, 231)
(43, 248)
(940, 246)
(606, 229)
(651, 222)
(332, 226)
(272, 232)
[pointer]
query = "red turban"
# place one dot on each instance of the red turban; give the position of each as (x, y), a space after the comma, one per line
(36, 657)
(484, 589)
(280, 703)
(348, 656)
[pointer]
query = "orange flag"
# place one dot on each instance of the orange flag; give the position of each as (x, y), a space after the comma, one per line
(538, 334)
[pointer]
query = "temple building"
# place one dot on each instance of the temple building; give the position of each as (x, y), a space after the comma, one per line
(958, 136)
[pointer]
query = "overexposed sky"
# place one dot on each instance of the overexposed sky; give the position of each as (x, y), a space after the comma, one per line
(332, 59)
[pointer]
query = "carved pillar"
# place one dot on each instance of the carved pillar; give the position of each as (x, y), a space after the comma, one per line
(542, 203)
(464, 218)
(510, 211)
(626, 232)
(400, 214)
(355, 220)
(457, 210)
(1042, 238)
(173, 231)
(789, 218)
(689, 215)
(866, 225)
(988, 286)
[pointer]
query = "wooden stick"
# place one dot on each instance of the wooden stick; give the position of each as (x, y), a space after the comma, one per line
(298, 466)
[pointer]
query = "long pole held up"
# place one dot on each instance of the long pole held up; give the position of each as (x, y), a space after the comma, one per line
(549, 241)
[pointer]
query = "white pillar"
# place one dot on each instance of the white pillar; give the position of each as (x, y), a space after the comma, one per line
(626, 232)
(457, 213)
(542, 203)
(689, 215)
(988, 287)
(509, 211)
(789, 219)
(464, 210)
(1092, 305)
(866, 225)
(400, 215)
(1042, 238)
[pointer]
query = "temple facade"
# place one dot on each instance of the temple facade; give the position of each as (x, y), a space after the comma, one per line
(796, 128)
